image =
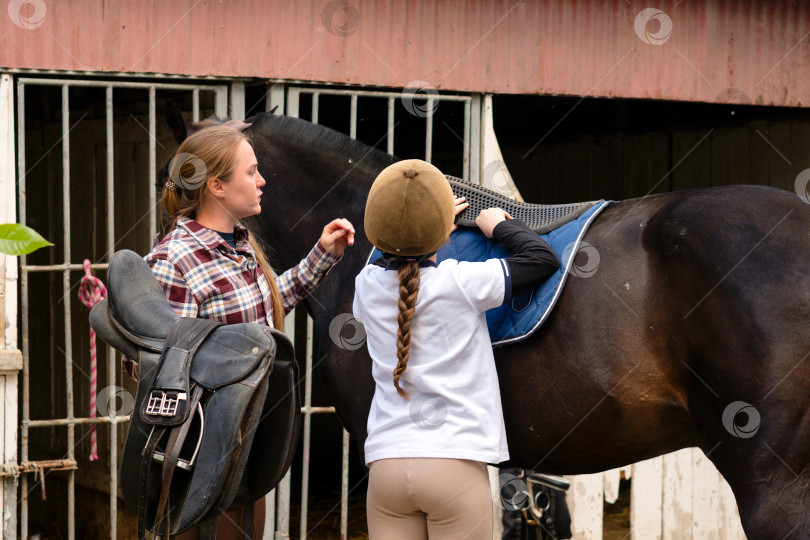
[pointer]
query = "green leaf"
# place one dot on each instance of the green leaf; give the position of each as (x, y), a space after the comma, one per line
(16, 239)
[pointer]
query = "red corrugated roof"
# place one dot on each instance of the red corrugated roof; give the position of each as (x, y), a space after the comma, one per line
(580, 47)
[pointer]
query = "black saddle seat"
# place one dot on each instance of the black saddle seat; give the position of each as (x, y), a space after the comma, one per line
(139, 306)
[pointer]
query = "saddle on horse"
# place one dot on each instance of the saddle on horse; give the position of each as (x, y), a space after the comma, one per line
(541, 218)
(217, 411)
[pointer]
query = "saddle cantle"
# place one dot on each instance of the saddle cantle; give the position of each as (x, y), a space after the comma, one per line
(216, 416)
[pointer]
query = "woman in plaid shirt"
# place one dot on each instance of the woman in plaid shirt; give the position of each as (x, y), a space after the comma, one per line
(211, 267)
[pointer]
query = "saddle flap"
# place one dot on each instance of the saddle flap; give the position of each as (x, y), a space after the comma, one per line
(231, 353)
(277, 433)
(137, 303)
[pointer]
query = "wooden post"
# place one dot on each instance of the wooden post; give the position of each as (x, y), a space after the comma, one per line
(3, 298)
(10, 356)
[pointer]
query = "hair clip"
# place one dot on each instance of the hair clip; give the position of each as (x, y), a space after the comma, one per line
(171, 185)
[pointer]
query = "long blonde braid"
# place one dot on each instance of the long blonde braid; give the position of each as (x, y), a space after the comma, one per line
(408, 275)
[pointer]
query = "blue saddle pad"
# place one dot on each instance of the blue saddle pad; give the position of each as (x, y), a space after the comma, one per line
(521, 317)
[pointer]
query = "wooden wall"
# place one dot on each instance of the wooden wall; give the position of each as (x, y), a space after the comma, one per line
(625, 165)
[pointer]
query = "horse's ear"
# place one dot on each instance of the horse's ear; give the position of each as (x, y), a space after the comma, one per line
(273, 110)
(238, 125)
(176, 121)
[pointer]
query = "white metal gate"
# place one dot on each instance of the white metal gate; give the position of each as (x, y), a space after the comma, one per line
(67, 461)
(228, 98)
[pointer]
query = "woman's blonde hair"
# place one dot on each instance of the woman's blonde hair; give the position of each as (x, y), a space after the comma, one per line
(210, 153)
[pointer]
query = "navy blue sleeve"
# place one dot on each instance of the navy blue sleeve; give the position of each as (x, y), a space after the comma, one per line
(533, 261)
(507, 281)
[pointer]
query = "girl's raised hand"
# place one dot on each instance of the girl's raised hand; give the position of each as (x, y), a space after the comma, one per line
(337, 234)
(461, 205)
(489, 218)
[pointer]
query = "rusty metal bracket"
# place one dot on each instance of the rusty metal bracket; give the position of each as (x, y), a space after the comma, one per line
(38, 467)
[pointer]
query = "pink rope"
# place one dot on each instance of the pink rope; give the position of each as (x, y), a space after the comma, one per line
(91, 291)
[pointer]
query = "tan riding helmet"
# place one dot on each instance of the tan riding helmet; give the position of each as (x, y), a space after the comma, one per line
(410, 209)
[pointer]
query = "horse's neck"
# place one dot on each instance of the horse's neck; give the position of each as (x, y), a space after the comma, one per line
(302, 217)
(314, 176)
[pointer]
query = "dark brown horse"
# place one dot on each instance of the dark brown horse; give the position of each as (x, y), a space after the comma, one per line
(693, 331)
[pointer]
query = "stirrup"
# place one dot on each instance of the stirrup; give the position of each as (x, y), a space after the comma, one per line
(185, 464)
(549, 480)
(539, 501)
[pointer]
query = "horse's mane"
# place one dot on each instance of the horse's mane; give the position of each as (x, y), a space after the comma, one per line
(306, 135)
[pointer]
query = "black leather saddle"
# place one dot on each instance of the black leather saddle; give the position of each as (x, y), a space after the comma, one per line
(217, 411)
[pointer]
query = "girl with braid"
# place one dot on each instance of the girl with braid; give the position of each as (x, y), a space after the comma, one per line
(435, 419)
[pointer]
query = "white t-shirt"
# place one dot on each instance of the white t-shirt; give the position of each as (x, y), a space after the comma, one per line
(453, 408)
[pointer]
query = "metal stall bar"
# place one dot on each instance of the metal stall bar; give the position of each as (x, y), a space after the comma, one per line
(344, 487)
(476, 139)
(353, 117)
(274, 97)
(307, 431)
(344, 471)
(23, 306)
(429, 130)
(195, 106)
(283, 488)
(111, 368)
(121, 84)
(76, 421)
(66, 267)
(465, 175)
(152, 164)
(297, 90)
(315, 104)
(307, 408)
(389, 143)
(71, 428)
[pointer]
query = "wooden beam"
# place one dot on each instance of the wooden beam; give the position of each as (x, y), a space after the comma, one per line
(10, 360)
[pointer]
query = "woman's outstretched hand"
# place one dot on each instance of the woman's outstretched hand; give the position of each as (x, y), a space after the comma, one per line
(489, 218)
(337, 234)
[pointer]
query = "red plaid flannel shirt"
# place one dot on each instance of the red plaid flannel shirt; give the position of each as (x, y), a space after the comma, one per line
(202, 276)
